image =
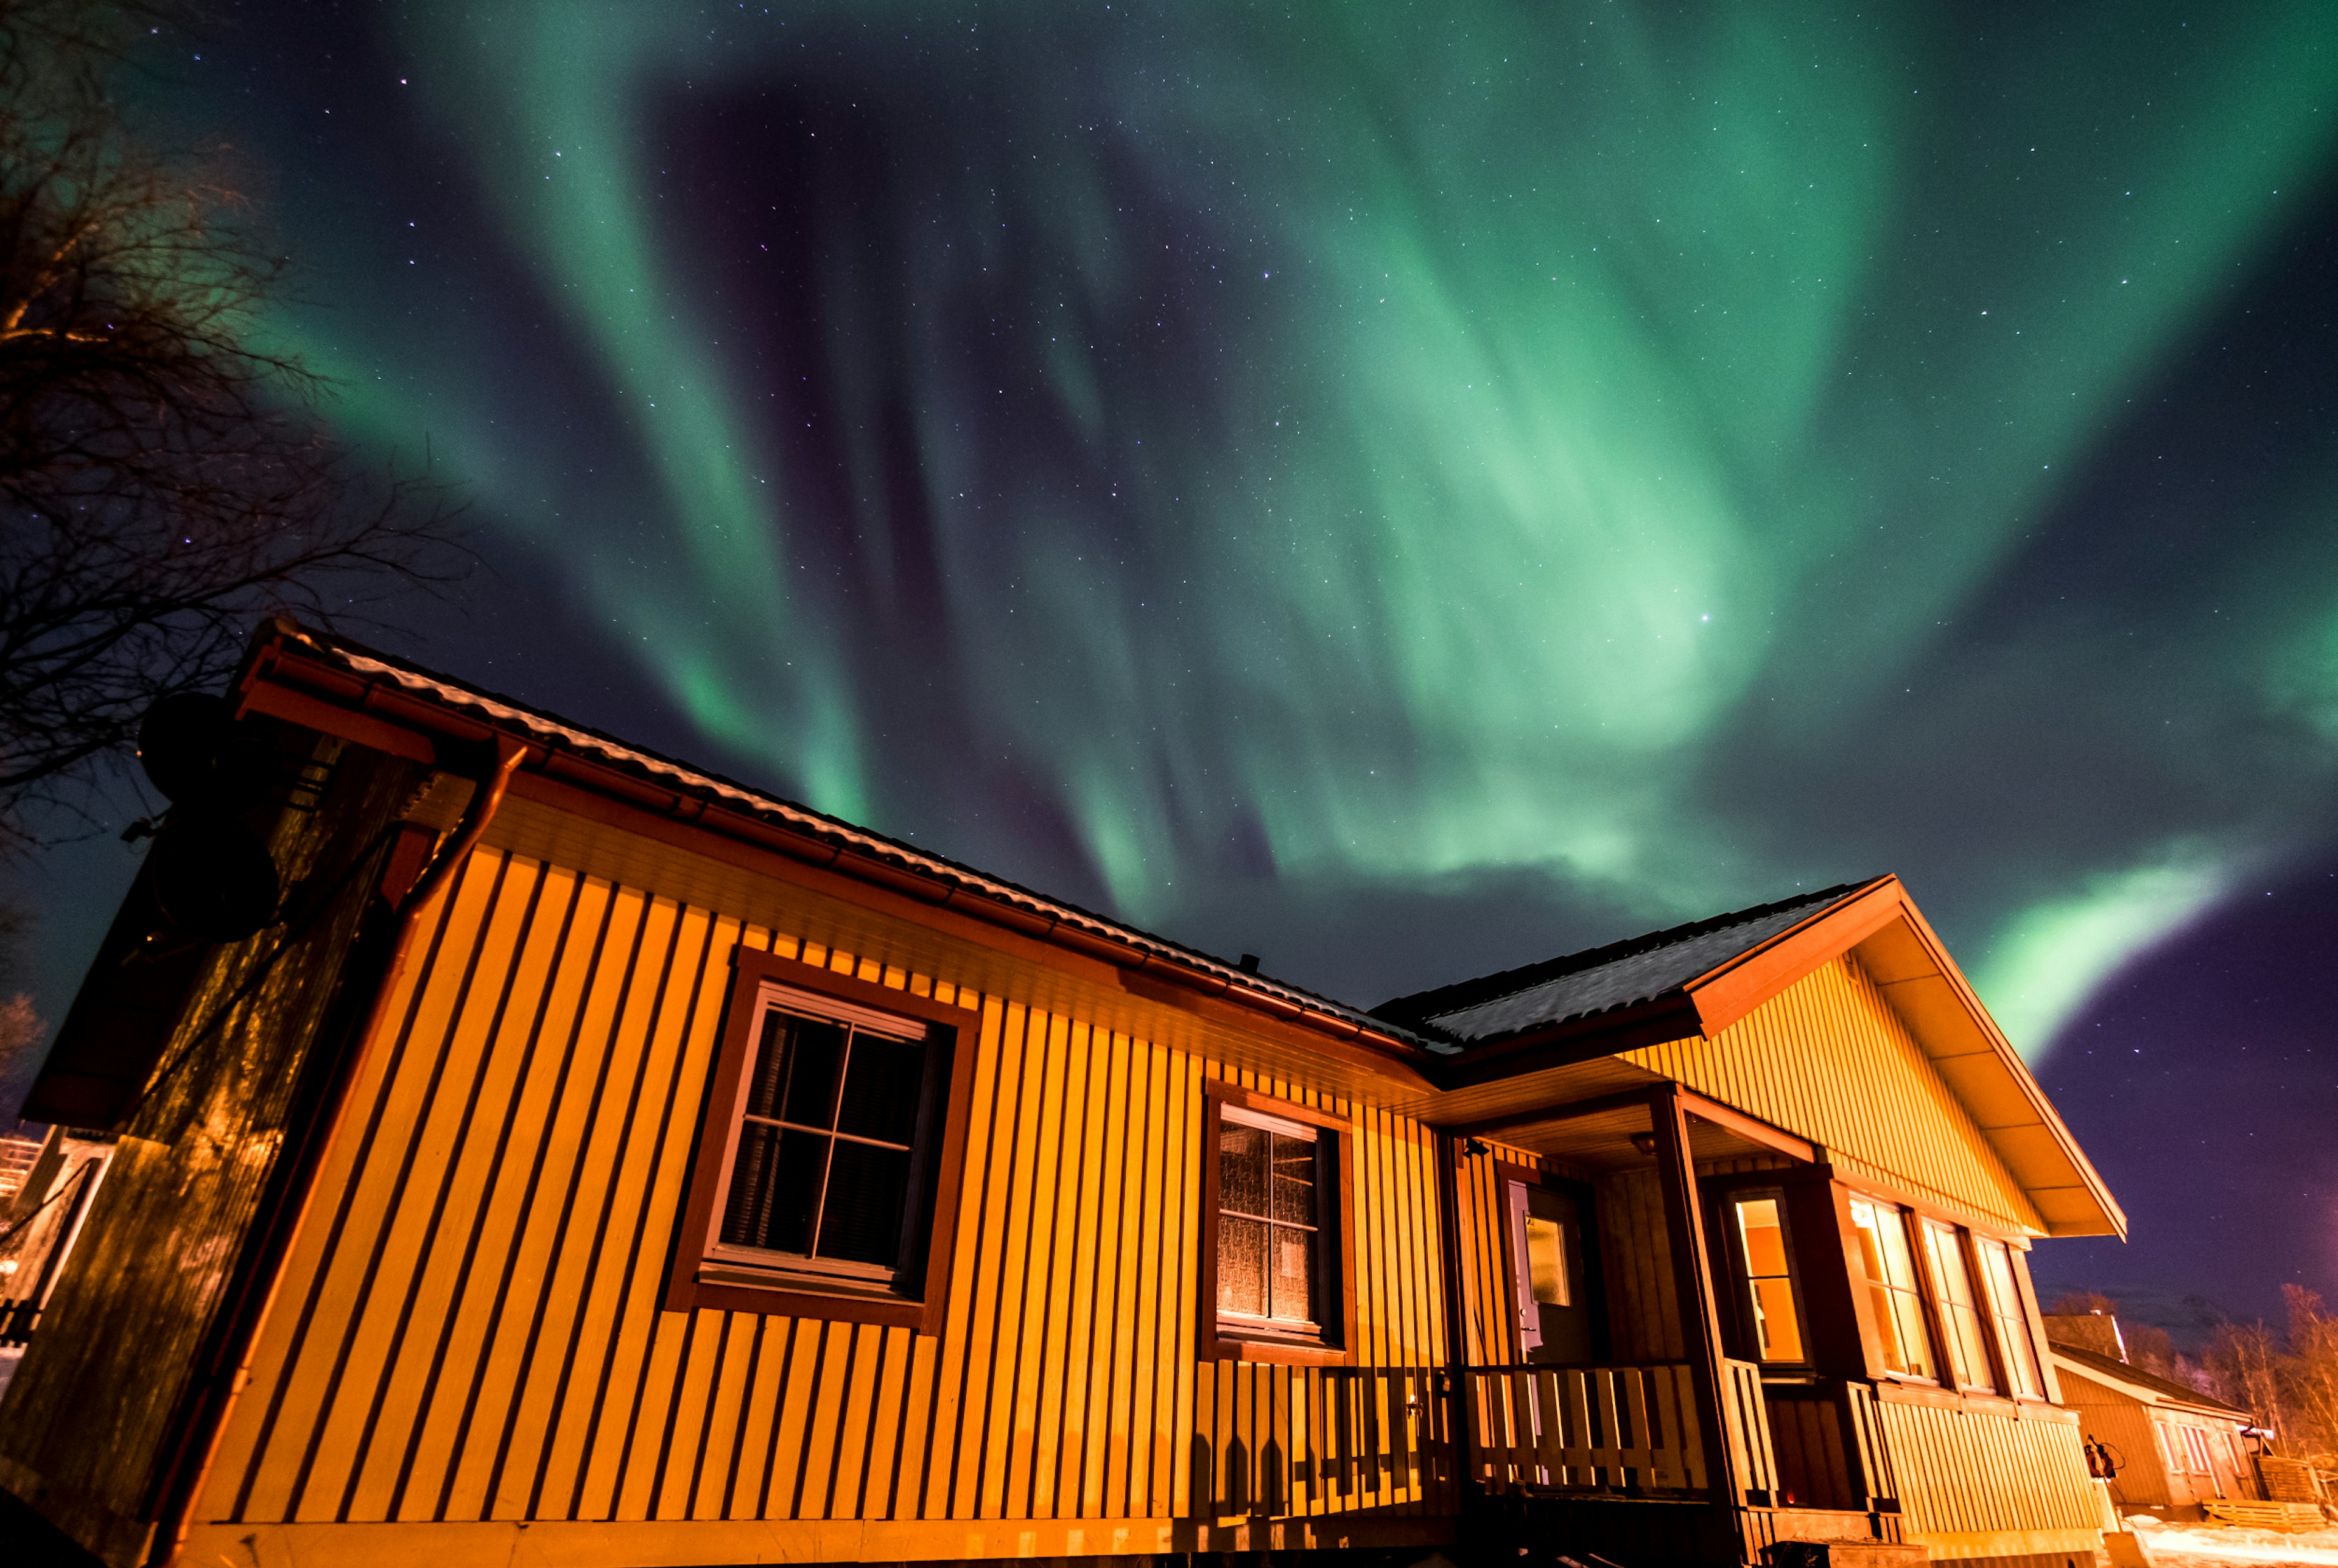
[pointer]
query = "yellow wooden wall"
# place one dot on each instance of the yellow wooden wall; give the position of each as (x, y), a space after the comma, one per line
(469, 1326)
(1636, 1252)
(1828, 1059)
(1970, 1478)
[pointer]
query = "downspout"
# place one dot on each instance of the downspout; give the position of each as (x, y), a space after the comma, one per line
(1456, 1344)
(209, 1421)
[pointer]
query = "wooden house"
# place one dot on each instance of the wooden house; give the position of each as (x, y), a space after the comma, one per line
(575, 1157)
(2174, 1448)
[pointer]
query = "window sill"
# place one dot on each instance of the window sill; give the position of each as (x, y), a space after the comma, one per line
(720, 1286)
(1242, 1344)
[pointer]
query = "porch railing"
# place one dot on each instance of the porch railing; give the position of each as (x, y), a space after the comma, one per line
(1608, 1428)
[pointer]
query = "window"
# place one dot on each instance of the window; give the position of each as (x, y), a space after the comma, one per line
(2012, 1323)
(824, 1139)
(1276, 1265)
(1892, 1286)
(818, 1188)
(2195, 1451)
(1269, 1224)
(1968, 1352)
(1769, 1278)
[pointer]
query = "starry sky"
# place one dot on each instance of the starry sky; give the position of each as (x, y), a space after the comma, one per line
(1408, 490)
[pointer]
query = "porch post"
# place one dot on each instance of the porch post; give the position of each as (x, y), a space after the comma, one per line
(1457, 1357)
(1700, 1319)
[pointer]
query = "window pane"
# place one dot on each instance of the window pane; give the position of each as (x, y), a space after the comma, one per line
(2012, 1323)
(1761, 1235)
(1892, 1230)
(1775, 1320)
(1764, 1235)
(1892, 1286)
(1547, 1261)
(814, 1050)
(862, 1221)
(770, 1067)
(1915, 1342)
(774, 1189)
(1292, 1299)
(881, 1081)
(1943, 1264)
(1242, 1265)
(1242, 1168)
(1294, 1179)
(1896, 1357)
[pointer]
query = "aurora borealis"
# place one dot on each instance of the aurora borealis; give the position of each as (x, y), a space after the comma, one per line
(1402, 492)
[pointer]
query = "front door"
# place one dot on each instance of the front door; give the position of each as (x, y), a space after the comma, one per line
(1551, 1285)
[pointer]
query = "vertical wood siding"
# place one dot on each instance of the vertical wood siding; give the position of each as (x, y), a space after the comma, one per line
(1964, 1471)
(469, 1327)
(1828, 1058)
(1635, 1250)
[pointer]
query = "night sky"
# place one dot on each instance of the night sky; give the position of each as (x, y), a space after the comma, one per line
(1408, 491)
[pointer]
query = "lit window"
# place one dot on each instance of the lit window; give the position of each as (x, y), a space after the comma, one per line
(2012, 1323)
(1892, 1286)
(1968, 1355)
(1271, 1188)
(826, 1142)
(1769, 1279)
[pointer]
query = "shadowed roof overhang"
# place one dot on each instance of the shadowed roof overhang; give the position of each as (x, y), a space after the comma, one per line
(1900, 952)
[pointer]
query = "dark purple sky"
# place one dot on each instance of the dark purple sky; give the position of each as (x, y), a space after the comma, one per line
(1407, 494)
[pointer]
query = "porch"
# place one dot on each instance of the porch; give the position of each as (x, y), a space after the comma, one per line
(1616, 1458)
(1616, 1398)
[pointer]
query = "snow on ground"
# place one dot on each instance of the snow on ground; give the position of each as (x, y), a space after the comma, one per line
(2209, 1545)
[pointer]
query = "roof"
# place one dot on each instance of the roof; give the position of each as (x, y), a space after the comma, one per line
(2163, 1390)
(1695, 981)
(559, 736)
(1598, 980)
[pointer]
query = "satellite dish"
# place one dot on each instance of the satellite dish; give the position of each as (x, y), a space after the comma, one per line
(194, 750)
(212, 877)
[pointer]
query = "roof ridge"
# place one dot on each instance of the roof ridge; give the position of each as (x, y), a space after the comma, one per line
(2111, 1366)
(1410, 1010)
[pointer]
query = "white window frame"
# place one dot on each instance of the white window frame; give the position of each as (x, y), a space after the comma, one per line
(1251, 1325)
(768, 1263)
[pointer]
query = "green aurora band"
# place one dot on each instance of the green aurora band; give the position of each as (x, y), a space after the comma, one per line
(1423, 451)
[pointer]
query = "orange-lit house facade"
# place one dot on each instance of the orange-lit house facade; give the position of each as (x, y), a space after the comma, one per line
(596, 1161)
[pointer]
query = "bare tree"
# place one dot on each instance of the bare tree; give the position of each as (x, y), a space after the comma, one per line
(2248, 1369)
(163, 480)
(2313, 1370)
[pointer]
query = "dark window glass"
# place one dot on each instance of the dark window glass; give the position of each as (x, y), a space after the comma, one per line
(814, 1052)
(881, 1089)
(862, 1221)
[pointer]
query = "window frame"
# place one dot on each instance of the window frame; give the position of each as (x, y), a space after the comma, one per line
(939, 1167)
(1937, 1276)
(2020, 1360)
(1866, 1284)
(1335, 1263)
(1747, 1313)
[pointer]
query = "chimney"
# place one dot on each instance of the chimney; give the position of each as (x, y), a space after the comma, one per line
(2098, 1331)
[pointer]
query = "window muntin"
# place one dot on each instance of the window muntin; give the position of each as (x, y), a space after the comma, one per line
(1967, 1349)
(2012, 1323)
(821, 1175)
(1892, 1286)
(1271, 1196)
(1769, 1278)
